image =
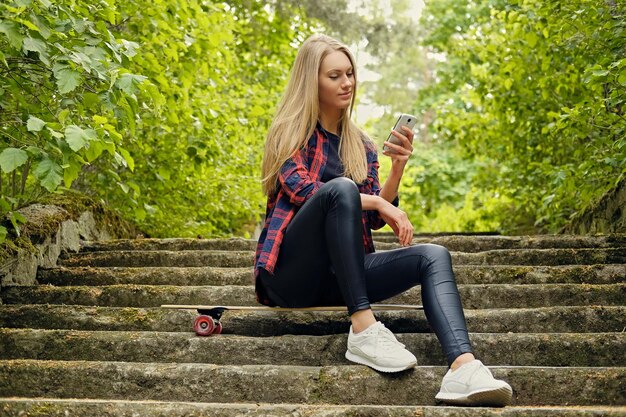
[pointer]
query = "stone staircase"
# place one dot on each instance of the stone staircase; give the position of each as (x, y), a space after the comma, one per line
(546, 313)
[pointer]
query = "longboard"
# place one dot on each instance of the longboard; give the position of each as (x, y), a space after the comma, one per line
(208, 320)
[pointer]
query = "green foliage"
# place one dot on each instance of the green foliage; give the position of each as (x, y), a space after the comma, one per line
(534, 89)
(197, 165)
(159, 108)
(60, 95)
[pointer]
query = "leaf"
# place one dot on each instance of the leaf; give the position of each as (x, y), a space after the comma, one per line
(34, 124)
(3, 234)
(76, 137)
(35, 45)
(129, 159)
(532, 38)
(11, 30)
(129, 82)
(94, 151)
(67, 78)
(99, 119)
(16, 218)
(41, 25)
(71, 173)
(49, 174)
(12, 158)
(91, 100)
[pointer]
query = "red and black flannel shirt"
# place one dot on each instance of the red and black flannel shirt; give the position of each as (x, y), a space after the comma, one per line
(299, 180)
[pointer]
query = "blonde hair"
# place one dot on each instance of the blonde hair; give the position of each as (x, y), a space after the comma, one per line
(298, 112)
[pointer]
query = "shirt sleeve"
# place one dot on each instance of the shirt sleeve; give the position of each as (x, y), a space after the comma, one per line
(296, 180)
(371, 186)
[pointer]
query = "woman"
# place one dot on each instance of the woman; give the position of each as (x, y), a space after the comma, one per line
(324, 197)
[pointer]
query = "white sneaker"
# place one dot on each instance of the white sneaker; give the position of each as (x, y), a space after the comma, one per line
(378, 348)
(473, 384)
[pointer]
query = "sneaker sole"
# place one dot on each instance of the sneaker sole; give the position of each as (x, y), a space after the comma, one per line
(363, 361)
(499, 397)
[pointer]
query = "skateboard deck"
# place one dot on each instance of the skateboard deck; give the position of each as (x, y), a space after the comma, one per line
(208, 320)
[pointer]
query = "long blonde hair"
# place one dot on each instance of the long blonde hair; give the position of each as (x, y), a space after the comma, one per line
(298, 112)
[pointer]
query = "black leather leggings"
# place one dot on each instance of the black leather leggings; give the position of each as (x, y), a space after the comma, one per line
(322, 262)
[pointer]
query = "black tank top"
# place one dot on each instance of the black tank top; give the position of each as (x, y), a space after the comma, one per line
(334, 167)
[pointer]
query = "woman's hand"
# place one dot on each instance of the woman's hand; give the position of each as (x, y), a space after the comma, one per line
(398, 221)
(400, 153)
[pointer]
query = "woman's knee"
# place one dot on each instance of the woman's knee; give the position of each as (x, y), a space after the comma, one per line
(342, 189)
(342, 185)
(435, 252)
(437, 255)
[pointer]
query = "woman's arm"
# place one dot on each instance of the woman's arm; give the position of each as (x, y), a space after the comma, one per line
(390, 214)
(297, 177)
(295, 180)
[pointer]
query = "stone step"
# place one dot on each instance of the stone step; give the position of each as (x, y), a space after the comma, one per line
(465, 274)
(295, 384)
(220, 258)
(475, 296)
(202, 275)
(557, 349)
(159, 258)
(463, 243)
(590, 319)
(172, 244)
(459, 243)
(20, 407)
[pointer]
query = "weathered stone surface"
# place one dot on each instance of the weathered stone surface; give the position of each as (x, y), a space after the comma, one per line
(607, 215)
(246, 258)
(173, 244)
(473, 296)
(207, 275)
(19, 407)
(295, 384)
(550, 354)
(593, 319)
(215, 258)
(548, 349)
(458, 243)
(519, 274)
(60, 233)
(542, 257)
(478, 243)
(465, 274)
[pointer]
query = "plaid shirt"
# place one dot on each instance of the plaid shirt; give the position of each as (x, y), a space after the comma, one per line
(299, 180)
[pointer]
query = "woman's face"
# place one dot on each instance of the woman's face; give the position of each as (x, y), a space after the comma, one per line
(336, 82)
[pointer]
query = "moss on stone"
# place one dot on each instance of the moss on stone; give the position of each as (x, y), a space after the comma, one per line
(70, 206)
(76, 203)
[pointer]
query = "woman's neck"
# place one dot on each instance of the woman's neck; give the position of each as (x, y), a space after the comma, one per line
(330, 121)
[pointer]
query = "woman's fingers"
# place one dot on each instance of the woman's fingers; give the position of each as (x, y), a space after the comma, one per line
(405, 140)
(399, 222)
(398, 149)
(405, 235)
(409, 133)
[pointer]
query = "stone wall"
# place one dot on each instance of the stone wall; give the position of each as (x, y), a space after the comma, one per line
(608, 215)
(49, 230)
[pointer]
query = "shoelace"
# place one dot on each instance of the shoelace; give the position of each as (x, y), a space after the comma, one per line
(386, 338)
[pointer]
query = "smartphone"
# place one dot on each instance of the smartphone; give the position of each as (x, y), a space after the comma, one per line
(407, 120)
